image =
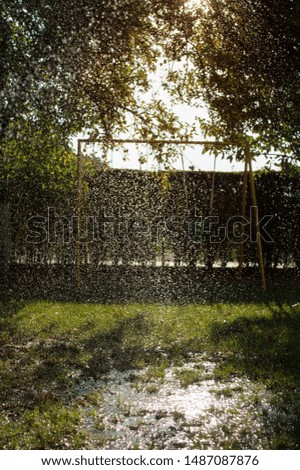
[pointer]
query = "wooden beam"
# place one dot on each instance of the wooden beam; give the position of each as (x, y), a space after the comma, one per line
(212, 143)
(79, 203)
(257, 229)
(244, 206)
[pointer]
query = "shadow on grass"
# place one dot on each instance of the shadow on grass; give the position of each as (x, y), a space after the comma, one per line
(266, 350)
(168, 285)
(10, 306)
(40, 367)
(36, 369)
(38, 377)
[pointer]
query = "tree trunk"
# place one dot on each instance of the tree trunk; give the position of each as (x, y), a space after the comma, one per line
(5, 236)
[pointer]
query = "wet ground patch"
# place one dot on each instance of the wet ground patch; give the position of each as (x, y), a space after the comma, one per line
(181, 407)
(201, 376)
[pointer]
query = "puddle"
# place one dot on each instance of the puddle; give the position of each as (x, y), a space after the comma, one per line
(139, 411)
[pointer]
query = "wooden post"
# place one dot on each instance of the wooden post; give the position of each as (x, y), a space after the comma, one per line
(244, 206)
(79, 201)
(258, 235)
(184, 184)
(209, 256)
(212, 192)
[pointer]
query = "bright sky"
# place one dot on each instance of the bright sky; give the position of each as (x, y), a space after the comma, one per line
(192, 156)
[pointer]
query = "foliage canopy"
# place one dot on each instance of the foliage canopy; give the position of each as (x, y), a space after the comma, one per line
(242, 60)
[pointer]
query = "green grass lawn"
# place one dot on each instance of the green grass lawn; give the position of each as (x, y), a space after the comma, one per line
(46, 345)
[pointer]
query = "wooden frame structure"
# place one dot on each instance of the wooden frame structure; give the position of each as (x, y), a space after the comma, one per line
(248, 173)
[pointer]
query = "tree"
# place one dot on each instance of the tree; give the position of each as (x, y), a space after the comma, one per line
(66, 66)
(36, 159)
(79, 63)
(242, 60)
